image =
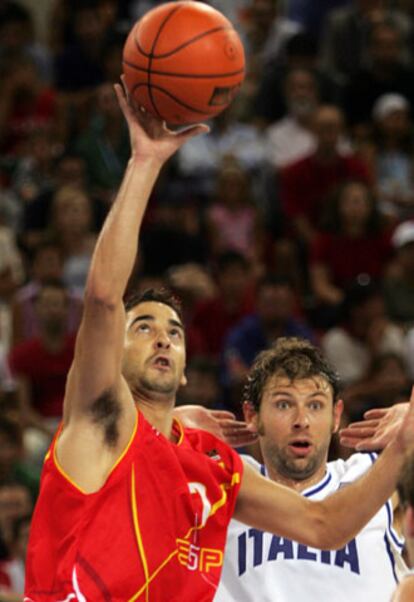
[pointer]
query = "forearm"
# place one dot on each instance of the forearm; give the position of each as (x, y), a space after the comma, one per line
(116, 248)
(348, 510)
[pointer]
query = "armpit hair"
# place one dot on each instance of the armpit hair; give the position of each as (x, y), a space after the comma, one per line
(106, 411)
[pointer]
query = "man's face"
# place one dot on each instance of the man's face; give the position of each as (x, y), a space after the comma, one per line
(154, 351)
(295, 423)
(52, 308)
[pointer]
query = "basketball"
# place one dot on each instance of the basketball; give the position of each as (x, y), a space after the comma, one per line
(183, 62)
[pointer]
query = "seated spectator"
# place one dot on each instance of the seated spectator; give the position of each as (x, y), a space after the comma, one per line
(40, 364)
(292, 136)
(12, 570)
(393, 157)
(200, 159)
(274, 315)
(386, 382)
(26, 104)
(14, 464)
(202, 386)
(307, 183)
(399, 282)
(347, 29)
(363, 332)
(355, 243)
(11, 276)
(301, 54)
(385, 73)
(15, 503)
(405, 489)
(71, 226)
(104, 146)
(233, 221)
(45, 264)
(214, 317)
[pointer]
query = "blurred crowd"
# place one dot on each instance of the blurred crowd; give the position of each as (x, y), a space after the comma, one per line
(294, 216)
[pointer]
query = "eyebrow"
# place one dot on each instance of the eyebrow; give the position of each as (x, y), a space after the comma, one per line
(149, 317)
(289, 394)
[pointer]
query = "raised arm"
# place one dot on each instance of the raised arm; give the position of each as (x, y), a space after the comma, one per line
(98, 401)
(330, 523)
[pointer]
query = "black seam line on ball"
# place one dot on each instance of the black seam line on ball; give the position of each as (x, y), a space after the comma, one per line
(185, 75)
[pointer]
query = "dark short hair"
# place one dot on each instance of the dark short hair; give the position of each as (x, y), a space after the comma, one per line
(290, 357)
(405, 486)
(160, 295)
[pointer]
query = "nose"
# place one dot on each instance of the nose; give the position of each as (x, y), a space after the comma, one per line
(162, 341)
(301, 419)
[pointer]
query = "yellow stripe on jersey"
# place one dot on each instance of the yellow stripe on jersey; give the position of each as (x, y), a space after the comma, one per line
(138, 535)
(154, 574)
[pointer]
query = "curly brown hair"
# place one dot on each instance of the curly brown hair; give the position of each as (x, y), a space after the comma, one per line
(290, 357)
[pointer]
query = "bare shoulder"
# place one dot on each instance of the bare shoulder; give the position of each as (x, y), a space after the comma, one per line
(90, 445)
(405, 590)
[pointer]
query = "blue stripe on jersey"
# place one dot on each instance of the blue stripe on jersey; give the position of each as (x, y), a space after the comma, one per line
(373, 457)
(398, 542)
(391, 557)
(263, 470)
(319, 487)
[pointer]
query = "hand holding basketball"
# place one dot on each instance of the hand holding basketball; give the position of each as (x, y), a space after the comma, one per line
(183, 62)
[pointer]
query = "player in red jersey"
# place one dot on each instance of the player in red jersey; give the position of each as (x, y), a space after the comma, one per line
(131, 506)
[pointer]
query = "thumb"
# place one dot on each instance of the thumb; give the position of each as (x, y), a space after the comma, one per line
(190, 132)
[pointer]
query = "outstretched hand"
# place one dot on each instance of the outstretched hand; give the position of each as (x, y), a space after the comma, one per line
(220, 423)
(378, 428)
(150, 137)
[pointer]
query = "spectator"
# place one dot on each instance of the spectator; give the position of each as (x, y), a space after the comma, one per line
(12, 571)
(214, 317)
(104, 146)
(347, 34)
(11, 276)
(355, 243)
(233, 221)
(27, 104)
(273, 317)
(364, 331)
(15, 503)
(399, 283)
(292, 137)
(41, 364)
(386, 382)
(385, 73)
(46, 263)
(202, 384)
(307, 183)
(14, 466)
(71, 225)
(393, 160)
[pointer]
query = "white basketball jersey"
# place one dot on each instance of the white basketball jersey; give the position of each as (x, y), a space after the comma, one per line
(261, 567)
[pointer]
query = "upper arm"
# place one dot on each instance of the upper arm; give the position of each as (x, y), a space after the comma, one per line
(271, 507)
(405, 591)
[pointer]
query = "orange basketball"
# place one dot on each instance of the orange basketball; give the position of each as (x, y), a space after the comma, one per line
(183, 62)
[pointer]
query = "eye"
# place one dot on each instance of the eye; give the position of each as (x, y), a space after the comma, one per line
(175, 332)
(316, 405)
(143, 327)
(283, 404)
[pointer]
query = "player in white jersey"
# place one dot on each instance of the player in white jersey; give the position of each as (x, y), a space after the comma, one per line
(292, 401)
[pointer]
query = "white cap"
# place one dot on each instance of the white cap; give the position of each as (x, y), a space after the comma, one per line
(388, 103)
(403, 235)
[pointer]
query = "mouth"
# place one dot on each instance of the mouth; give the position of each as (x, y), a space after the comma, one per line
(300, 447)
(162, 363)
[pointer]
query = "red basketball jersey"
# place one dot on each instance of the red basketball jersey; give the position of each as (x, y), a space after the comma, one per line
(155, 531)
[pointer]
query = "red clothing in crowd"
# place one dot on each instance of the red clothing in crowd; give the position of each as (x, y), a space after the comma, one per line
(306, 184)
(346, 257)
(46, 373)
(212, 321)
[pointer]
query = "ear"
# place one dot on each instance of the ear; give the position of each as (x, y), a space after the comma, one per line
(183, 380)
(250, 414)
(338, 409)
